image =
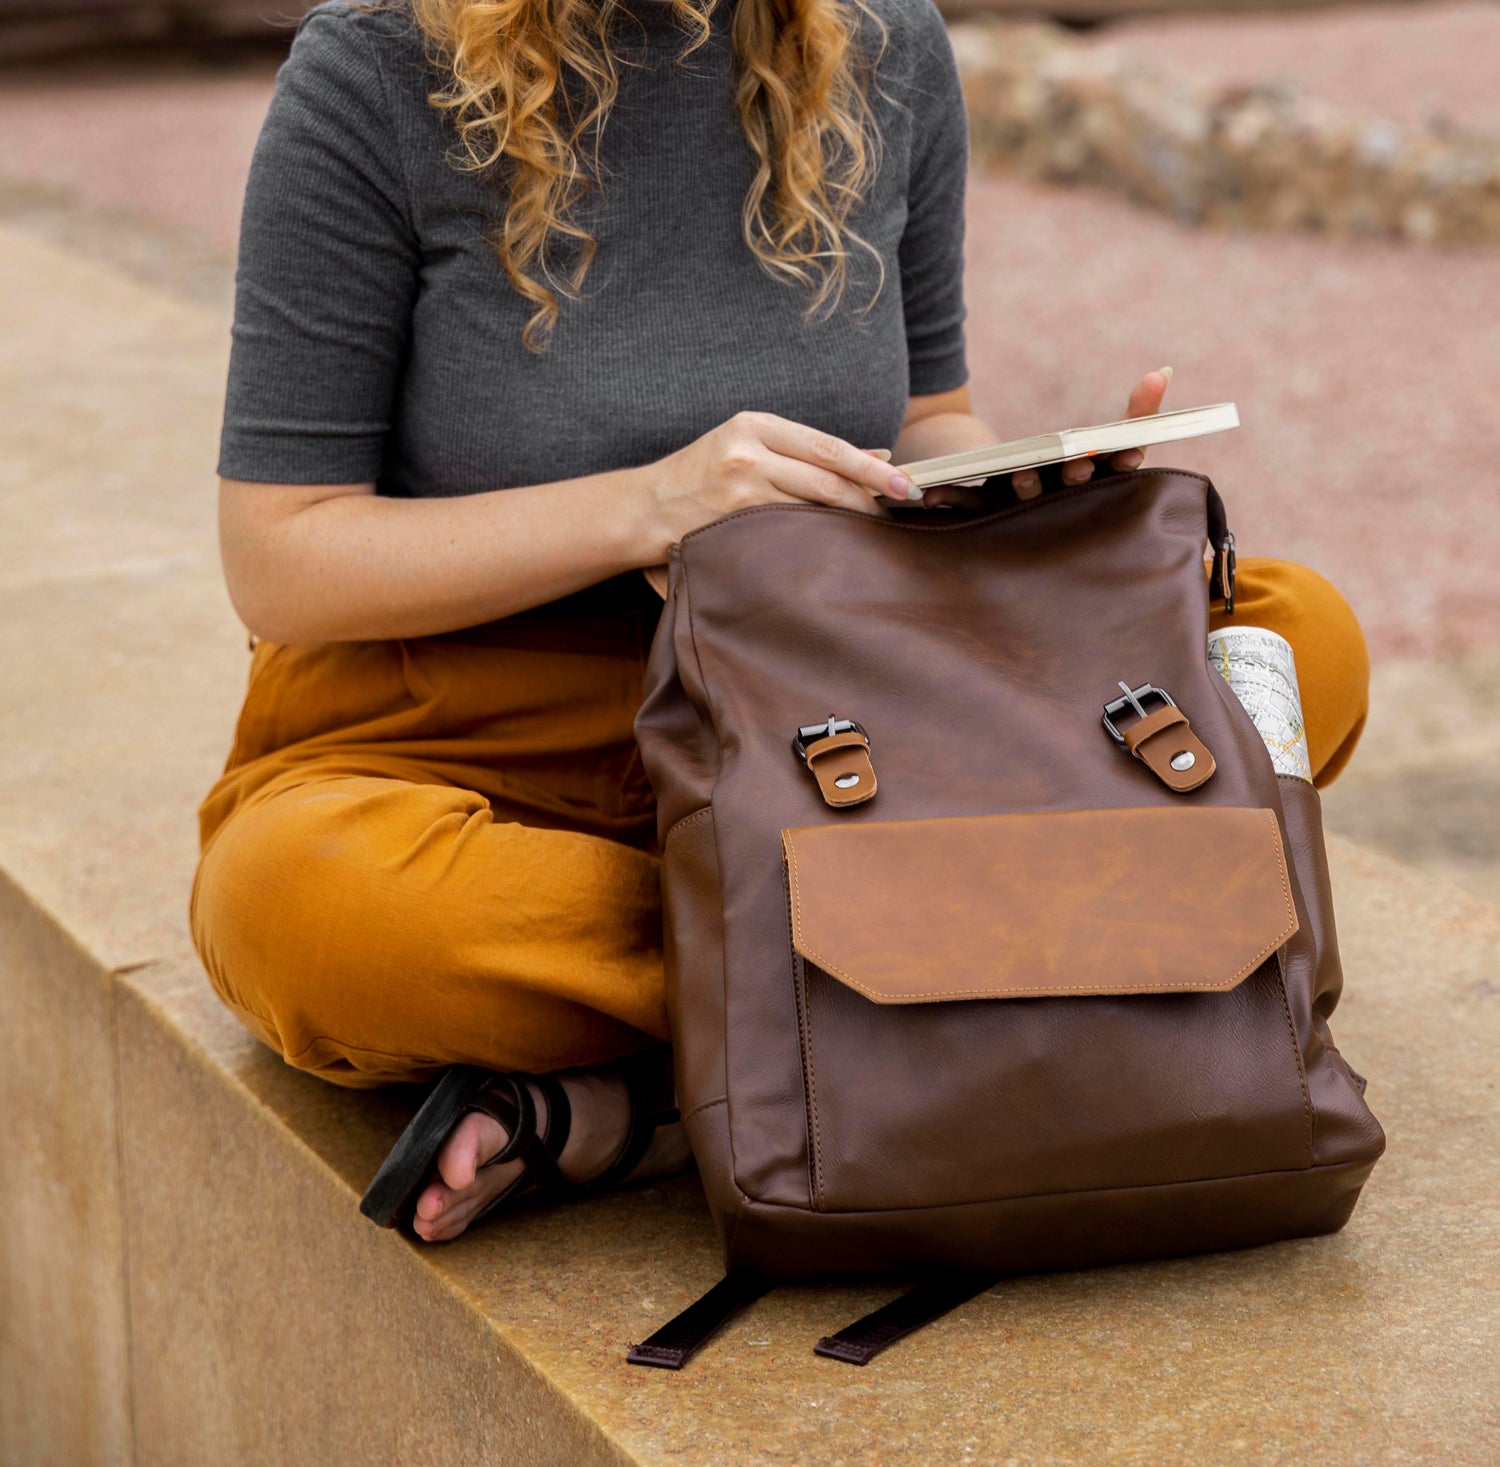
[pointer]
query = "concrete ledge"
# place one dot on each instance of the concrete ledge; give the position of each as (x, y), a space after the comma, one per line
(186, 1278)
(64, 1355)
(266, 1326)
(263, 1316)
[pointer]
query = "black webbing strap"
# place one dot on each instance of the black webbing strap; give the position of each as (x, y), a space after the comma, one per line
(863, 1340)
(675, 1343)
(1221, 578)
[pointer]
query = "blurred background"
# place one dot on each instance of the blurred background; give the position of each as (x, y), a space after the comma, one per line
(1296, 206)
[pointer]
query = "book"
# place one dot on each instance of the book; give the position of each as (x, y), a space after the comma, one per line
(1050, 448)
(976, 464)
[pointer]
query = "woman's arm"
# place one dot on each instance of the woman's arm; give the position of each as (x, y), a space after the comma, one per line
(320, 562)
(938, 423)
(326, 563)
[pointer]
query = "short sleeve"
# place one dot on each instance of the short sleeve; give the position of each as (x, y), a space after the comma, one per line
(932, 246)
(327, 271)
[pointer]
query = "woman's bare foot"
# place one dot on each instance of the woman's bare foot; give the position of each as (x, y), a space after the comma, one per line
(601, 1115)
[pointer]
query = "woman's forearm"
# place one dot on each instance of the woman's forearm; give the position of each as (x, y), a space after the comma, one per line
(337, 563)
(343, 563)
(940, 433)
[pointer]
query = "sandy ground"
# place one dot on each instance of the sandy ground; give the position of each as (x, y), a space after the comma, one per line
(1408, 63)
(164, 140)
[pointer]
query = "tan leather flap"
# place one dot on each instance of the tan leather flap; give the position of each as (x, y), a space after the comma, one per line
(1022, 906)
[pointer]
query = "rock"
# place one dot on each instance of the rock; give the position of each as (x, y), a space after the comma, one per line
(1263, 155)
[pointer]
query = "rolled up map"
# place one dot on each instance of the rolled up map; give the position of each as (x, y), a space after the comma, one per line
(1261, 672)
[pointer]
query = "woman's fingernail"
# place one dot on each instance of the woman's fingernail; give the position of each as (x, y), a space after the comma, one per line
(1166, 372)
(1133, 458)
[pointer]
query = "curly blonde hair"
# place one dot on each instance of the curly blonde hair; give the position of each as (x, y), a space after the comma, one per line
(800, 95)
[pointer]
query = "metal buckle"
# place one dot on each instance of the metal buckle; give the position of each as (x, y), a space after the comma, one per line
(1132, 699)
(810, 731)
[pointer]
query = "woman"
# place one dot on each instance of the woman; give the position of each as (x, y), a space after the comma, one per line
(492, 358)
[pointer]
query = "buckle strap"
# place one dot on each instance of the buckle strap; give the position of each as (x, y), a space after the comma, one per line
(838, 754)
(1163, 740)
(1166, 744)
(863, 1340)
(675, 1343)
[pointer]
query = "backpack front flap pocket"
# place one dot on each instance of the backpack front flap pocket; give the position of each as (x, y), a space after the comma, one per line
(1008, 1005)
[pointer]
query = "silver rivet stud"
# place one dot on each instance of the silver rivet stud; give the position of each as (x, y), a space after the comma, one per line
(1183, 760)
(847, 781)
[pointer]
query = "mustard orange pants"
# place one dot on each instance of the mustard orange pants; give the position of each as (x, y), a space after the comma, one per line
(443, 850)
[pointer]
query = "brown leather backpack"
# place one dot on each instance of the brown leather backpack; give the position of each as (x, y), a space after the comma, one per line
(958, 986)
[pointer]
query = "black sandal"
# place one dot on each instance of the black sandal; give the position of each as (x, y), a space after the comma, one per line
(392, 1194)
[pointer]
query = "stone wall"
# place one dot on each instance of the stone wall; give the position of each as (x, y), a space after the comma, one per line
(33, 29)
(1043, 104)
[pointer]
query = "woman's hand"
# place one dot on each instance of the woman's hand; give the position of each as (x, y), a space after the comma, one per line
(1145, 400)
(760, 458)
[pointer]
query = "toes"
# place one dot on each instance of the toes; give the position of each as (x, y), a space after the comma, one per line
(456, 1218)
(474, 1138)
(433, 1201)
(460, 1209)
(447, 1205)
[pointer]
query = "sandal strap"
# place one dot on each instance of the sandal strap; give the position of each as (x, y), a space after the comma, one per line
(507, 1098)
(647, 1113)
(542, 1153)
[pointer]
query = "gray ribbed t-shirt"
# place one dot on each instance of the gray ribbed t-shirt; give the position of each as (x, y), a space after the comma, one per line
(376, 337)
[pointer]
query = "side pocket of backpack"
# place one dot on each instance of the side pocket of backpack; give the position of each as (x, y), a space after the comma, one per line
(1344, 1128)
(693, 948)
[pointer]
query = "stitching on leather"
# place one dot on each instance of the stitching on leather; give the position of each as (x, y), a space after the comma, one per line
(1307, 1113)
(734, 1221)
(684, 598)
(1297, 779)
(806, 949)
(703, 1106)
(804, 1020)
(1280, 1171)
(702, 813)
(1313, 958)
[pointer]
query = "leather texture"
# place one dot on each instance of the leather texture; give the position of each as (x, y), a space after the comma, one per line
(1164, 740)
(1031, 906)
(840, 1130)
(841, 764)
